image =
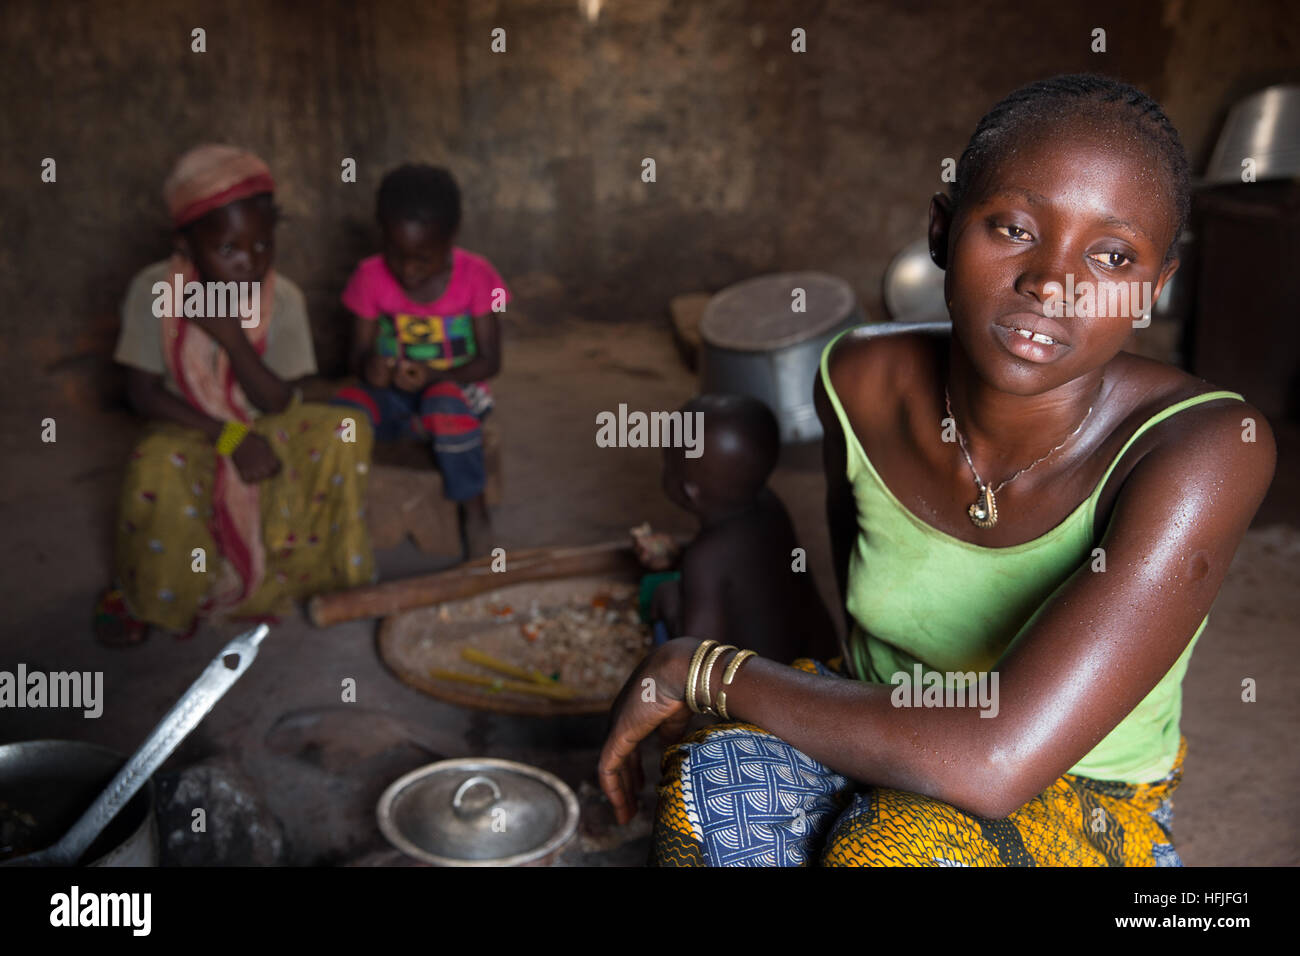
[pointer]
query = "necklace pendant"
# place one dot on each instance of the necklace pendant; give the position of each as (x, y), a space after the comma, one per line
(984, 512)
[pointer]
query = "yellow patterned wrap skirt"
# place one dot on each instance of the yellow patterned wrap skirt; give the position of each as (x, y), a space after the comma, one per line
(313, 535)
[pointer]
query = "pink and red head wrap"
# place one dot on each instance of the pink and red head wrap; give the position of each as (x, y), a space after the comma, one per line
(211, 176)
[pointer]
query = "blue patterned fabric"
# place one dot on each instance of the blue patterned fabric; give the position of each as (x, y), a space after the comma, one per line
(1165, 853)
(765, 803)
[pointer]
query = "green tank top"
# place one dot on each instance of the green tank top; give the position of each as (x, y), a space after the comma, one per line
(917, 595)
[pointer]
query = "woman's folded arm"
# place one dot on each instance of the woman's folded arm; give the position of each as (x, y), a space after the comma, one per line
(1083, 661)
(151, 400)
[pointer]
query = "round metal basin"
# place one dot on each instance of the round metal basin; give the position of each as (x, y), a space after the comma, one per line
(1264, 127)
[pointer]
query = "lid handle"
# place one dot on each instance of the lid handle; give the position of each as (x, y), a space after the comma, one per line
(464, 788)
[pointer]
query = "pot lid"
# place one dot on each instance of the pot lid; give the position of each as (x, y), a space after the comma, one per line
(758, 315)
(478, 812)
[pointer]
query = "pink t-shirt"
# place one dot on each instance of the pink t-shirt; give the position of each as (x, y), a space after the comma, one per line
(439, 333)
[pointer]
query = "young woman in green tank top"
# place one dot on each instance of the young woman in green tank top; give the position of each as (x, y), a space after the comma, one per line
(974, 482)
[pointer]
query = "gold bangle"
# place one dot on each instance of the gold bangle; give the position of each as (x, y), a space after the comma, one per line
(707, 671)
(727, 675)
(693, 674)
(232, 435)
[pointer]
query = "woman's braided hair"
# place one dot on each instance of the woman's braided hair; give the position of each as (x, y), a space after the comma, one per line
(1050, 99)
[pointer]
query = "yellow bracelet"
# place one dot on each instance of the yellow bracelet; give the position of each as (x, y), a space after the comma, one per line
(232, 434)
(692, 675)
(727, 675)
(707, 671)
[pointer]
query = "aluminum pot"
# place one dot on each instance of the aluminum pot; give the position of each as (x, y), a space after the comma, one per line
(757, 342)
(913, 286)
(1263, 127)
(45, 786)
(479, 812)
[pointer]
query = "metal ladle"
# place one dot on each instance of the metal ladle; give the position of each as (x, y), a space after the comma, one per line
(217, 678)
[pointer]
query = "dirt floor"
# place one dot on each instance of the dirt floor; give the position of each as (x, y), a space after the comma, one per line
(307, 769)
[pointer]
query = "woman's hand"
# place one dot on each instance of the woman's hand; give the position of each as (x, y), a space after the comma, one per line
(225, 331)
(412, 376)
(254, 459)
(261, 385)
(654, 697)
(378, 370)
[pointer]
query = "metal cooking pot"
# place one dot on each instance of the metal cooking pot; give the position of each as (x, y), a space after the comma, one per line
(913, 286)
(45, 786)
(479, 812)
(1264, 127)
(756, 344)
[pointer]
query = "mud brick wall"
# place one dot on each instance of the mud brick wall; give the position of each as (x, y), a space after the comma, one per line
(766, 159)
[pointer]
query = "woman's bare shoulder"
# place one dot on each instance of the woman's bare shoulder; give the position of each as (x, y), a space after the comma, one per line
(1232, 433)
(869, 371)
(1144, 387)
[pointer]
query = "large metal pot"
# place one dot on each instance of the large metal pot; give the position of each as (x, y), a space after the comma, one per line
(45, 786)
(757, 342)
(1264, 127)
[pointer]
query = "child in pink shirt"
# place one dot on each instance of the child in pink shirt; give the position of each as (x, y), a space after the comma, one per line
(427, 335)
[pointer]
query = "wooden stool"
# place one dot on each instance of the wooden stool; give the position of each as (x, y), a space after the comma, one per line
(687, 311)
(405, 495)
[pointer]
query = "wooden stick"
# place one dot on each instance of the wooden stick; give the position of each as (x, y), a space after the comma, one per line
(467, 580)
(475, 656)
(556, 691)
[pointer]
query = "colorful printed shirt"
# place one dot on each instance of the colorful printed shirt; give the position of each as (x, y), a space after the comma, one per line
(439, 333)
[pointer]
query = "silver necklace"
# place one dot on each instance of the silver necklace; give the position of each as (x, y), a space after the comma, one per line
(984, 512)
